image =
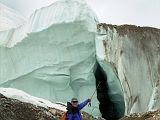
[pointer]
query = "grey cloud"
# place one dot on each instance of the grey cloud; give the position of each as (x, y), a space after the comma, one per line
(138, 12)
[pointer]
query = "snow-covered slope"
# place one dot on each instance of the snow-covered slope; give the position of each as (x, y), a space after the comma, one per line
(9, 18)
(18, 105)
(53, 54)
(24, 97)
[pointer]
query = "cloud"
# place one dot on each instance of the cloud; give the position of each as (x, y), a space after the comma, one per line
(138, 12)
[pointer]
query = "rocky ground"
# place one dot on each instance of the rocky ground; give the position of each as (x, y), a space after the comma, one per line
(143, 116)
(11, 109)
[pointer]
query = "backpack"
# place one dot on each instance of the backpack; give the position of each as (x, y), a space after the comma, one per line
(64, 116)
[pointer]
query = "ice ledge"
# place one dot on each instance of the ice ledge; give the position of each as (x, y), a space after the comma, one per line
(57, 13)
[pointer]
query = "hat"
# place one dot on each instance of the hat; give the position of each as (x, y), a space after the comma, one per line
(74, 100)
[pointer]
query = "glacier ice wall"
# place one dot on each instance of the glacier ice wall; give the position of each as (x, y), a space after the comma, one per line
(52, 55)
(134, 52)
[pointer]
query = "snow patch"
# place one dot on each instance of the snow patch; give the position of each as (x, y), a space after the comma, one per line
(24, 97)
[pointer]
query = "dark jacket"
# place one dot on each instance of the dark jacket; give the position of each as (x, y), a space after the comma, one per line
(74, 113)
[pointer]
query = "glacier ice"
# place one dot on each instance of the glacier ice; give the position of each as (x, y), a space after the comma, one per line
(115, 92)
(134, 52)
(56, 53)
(9, 18)
(52, 55)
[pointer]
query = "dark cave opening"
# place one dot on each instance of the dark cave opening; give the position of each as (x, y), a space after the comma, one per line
(106, 106)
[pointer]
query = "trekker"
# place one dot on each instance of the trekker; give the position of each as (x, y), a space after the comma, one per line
(73, 109)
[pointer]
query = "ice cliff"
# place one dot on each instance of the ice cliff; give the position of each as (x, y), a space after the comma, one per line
(134, 52)
(60, 53)
(53, 54)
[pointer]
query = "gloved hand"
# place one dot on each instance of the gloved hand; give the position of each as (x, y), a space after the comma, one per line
(89, 102)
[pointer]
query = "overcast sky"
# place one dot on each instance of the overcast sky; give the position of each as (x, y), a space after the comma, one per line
(137, 12)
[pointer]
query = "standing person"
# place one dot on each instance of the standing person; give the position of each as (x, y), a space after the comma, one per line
(73, 109)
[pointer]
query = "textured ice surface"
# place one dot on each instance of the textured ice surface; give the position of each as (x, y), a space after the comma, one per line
(115, 91)
(135, 54)
(9, 18)
(52, 55)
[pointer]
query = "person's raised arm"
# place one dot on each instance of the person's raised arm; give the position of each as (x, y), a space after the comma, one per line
(83, 104)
